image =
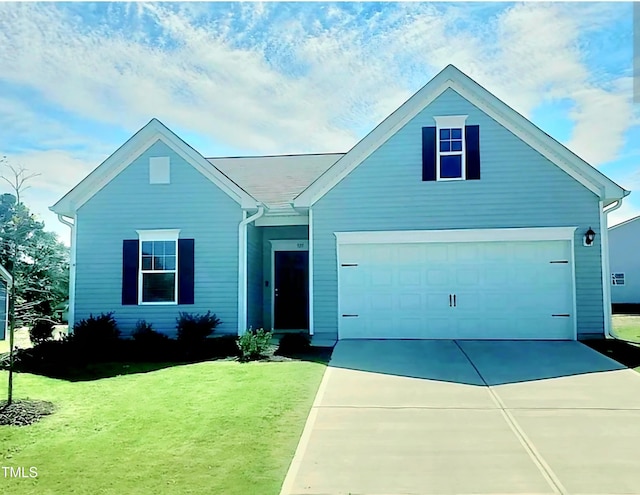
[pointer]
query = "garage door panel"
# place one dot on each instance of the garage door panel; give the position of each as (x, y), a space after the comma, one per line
(410, 301)
(409, 277)
(503, 290)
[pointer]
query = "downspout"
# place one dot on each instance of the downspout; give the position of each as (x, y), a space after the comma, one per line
(72, 273)
(604, 248)
(242, 267)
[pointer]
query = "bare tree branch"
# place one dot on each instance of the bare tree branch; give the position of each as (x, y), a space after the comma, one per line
(18, 179)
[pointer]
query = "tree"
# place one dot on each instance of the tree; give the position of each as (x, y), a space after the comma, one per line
(35, 258)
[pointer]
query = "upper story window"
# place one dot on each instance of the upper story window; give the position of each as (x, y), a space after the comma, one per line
(451, 150)
(450, 163)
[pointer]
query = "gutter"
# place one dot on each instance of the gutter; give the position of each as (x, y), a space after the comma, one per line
(72, 273)
(242, 266)
(604, 248)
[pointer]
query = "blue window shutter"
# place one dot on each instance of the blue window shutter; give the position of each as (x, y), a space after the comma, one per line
(130, 272)
(186, 271)
(472, 142)
(428, 153)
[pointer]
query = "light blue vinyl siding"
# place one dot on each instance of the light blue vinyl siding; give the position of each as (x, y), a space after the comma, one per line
(271, 234)
(518, 188)
(128, 203)
(254, 276)
(623, 258)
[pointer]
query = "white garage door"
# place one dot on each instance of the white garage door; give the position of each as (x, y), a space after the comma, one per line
(459, 290)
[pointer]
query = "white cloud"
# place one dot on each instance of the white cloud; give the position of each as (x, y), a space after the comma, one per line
(304, 84)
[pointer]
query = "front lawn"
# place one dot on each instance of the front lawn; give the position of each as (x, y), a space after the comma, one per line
(626, 350)
(211, 427)
(626, 327)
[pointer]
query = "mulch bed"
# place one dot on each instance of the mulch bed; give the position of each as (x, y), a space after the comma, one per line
(24, 412)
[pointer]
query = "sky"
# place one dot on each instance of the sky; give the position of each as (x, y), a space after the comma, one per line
(79, 79)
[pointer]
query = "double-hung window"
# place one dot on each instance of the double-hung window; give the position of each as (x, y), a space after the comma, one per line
(450, 159)
(158, 276)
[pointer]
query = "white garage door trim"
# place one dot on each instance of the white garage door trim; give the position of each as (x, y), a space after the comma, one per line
(459, 235)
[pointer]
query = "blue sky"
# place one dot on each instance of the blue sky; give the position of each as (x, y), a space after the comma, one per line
(78, 79)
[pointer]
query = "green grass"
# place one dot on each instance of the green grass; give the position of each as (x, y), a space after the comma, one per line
(212, 427)
(626, 327)
(626, 350)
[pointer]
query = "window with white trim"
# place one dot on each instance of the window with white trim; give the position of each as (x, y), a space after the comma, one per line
(158, 276)
(617, 279)
(450, 148)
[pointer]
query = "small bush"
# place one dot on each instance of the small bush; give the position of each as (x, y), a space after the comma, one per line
(293, 343)
(193, 329)
(150, 345)
(145, 334)
(41, 332)
(97, 337)
(254, 344)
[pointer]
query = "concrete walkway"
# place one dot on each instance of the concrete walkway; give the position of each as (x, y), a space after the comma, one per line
(470, 417)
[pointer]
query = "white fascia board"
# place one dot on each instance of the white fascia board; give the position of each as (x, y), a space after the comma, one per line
(530, 134)
(452, 78)
(370, 143)
(458, 235)
(132, 149)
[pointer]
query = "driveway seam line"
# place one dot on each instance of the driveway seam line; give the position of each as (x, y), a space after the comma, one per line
(537, 458)
(305, 437)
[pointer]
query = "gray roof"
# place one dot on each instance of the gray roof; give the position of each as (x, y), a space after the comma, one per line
(275, 180)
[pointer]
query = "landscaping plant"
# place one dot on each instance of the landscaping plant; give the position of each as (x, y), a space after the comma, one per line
(193, 329)
(41, 331)
(254, 344)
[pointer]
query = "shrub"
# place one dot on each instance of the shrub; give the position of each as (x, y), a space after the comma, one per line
(293, 343)
(195, 328)
(254, 344)
(145, 334)
(41, 332)
(148, 344)
(98, 336)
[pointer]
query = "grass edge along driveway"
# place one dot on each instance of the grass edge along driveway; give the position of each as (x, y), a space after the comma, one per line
(212, 427)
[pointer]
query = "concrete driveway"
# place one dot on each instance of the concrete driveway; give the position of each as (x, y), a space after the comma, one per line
(470, 417)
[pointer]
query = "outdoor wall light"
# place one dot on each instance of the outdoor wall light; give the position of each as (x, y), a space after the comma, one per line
(589, 237)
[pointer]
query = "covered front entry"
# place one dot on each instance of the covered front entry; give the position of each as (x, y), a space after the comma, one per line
(506, 284)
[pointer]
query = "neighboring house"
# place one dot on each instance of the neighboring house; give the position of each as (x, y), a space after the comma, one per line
(624, 262)
(455, 217)
(5, 284)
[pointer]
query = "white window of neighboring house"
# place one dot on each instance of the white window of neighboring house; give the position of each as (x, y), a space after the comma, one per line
(158, 274)
(617, 279)
(450, 147)
(159, 170)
